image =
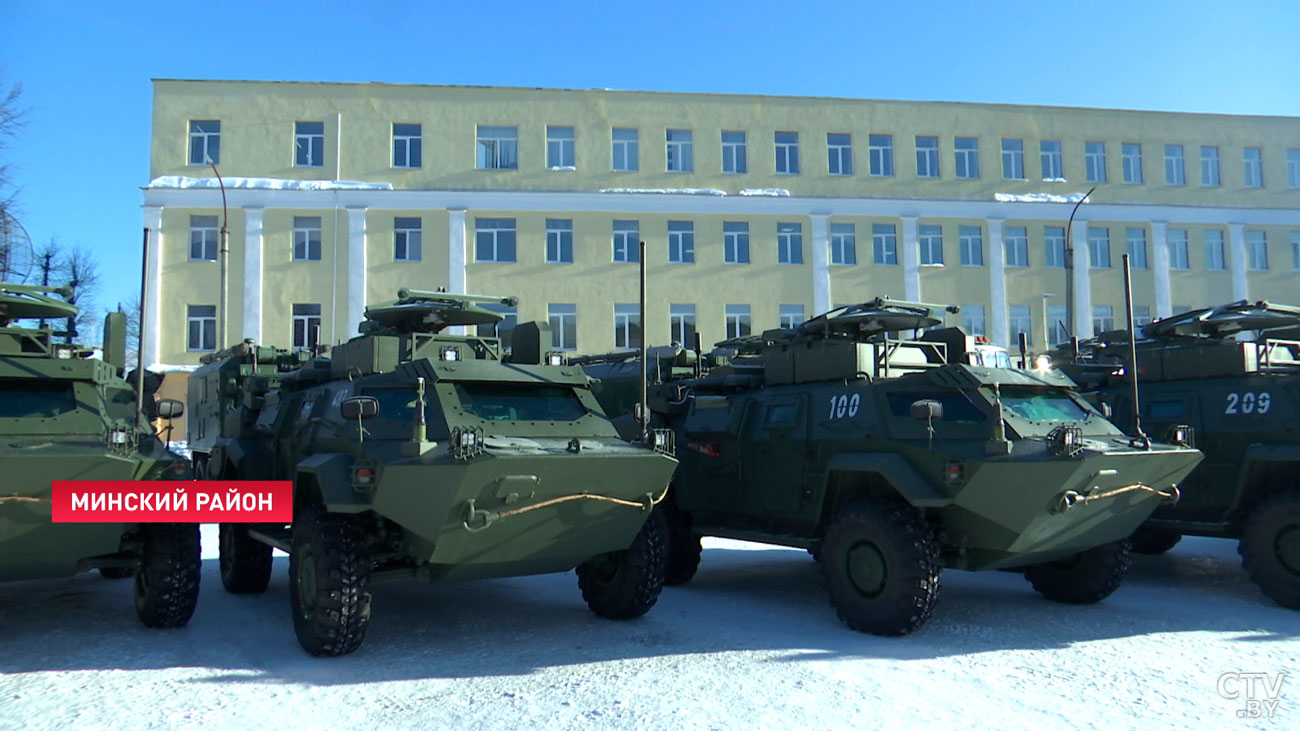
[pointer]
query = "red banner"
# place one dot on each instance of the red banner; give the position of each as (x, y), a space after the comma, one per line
(162, 501)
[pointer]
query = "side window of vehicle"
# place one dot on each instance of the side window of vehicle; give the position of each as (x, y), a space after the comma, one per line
(1166, 410)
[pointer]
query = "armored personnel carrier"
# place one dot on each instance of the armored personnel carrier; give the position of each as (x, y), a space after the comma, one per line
(415, 452)
(1232, 374)
(892, 458)
(67, 416)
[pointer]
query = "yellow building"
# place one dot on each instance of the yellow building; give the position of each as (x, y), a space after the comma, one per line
(756, 210)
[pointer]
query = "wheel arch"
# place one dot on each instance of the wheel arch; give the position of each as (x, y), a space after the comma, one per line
(885, 475)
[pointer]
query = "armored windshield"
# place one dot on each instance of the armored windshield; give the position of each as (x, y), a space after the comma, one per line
(957, 407)
(519, 401)
(24, 399)
(397, 413)
(1038, 404)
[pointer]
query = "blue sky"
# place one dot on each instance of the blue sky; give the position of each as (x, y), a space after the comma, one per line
(86, 67)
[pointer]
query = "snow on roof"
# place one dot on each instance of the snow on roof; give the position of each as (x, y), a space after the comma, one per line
(1038, 197)
(181, 181)
(666, 191)
(775, 192)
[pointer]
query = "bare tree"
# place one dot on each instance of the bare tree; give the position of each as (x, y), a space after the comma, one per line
(11, 121)
(81, 271)
(132, 310)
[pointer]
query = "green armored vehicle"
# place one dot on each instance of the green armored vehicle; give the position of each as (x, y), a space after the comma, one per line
(892, 458)
(67, 416)
(1241, 399)
(419, 453)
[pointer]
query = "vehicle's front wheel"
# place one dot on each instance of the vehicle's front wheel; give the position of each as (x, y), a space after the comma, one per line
(626, 584)
(881, 567)
(683, 545)
(1086, 577)
(245, 562)
(329, 572)
(1270, 546)
(1154, 541)
(167, 582)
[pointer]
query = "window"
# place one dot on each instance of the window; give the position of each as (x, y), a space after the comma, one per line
(681, 324)
(679, 151)
(1103, 318)
(1015, 240)
(1058, 332)
(1175, 172)
(789, 243)
(1099, 248)
(839, 153)
(205, 142)
(623, 152)
(787, 153)
(735, 242)
(1094, 162)
(791, 316)
(930, 239)
(559, 241)
(560, 153)
(501, 328)
(972, 319)
(306, 326)
(1013, 159)
(1293, 168)
(1054, 246)
(627, 235)
(738, 322)
(884, 244)
(407, 144)
(563, 319)
(406, 239)
(497, 148)
(308, 144)
(306, 238)
(844, 244)
(1049, 157)
(1295, 250)
(1210, 166)
(971, 241)
(880, 152)
(1132, 162)
(1257, 250)
(1213, 239)
(733, 152)
(967, 150)
(1141, 315)
(1176, 241)
(1018, 322)
(927, 157)
(494, 239)
(203, 238)
(1252, 167)
(201, 322)
(681, 242)
(627, 326)
(1136, 239)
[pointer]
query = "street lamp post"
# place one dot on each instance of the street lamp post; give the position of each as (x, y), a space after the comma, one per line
(1047, 323)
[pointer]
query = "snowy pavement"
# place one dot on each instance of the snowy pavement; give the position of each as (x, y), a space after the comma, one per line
(750, 643)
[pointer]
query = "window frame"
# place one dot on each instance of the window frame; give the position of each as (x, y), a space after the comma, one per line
(310, 336)
(735, 157)
(735, 242)
(1054, 247)
(315, 145)
(684, 160)
(1016, 246)
(789, 243)
(496, 147)
(1175, 165)
(206, 247)
(626, 241)
(559, 240)
(839, 153)
(563, 318)
(563, 148)
(209, 142)
(786, 150)
(970, 242)
(884, 244)
(681, 242)
(411, 145)
(207, 328)
(1177, 243)
(843, 244)
(1094, 161)
(1213, 241)
(742, 318)
(304, 225)
(880, 155)
(682, 322)
(967, 160)
(927, 158)
(1211, 176)
(628, 147)
(1051, 160)
(1013, 159)
(1252, 168)
(402, 242)
(929, 241)
(1135, 245)
(1131, 163)
(1098, 247)
(627, 326)
(498, 228)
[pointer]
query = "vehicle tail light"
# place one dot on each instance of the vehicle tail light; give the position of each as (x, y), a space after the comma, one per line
(364, 476)
(953, 472)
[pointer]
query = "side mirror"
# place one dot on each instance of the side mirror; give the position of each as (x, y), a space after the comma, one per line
(1106, 410)
(170, 408)
(927, 410)
(359, 407)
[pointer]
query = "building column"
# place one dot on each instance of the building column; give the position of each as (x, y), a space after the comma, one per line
(1160, 250)
(456, 238)
(1236, 263)
(152, 306)
(911, 260)
(253, 250)
(1082, 325)
(356, 270)
(821, 263)
(999, 333)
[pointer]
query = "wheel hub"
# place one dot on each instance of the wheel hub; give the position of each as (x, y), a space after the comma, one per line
(867, 569)
(1287, 548)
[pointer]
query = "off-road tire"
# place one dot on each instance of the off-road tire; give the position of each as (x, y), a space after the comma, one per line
(1270, 546)
(116, 572)
(1154, 541)
(683, 546)
(245, 562)
(626, 584)
(881, 567)
(1086, 577)
(329, 573)
(167, 582)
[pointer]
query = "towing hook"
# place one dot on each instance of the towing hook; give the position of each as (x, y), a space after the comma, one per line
(1070, 499)
(1173, 496)
(472, 513)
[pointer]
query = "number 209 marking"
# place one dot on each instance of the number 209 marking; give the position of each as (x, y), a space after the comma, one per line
(1249, 403)
(845, 405)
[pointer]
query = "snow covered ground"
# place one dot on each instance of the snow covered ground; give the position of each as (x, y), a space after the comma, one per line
(750, 643)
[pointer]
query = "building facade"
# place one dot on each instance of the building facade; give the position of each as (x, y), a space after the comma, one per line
(756, 211)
